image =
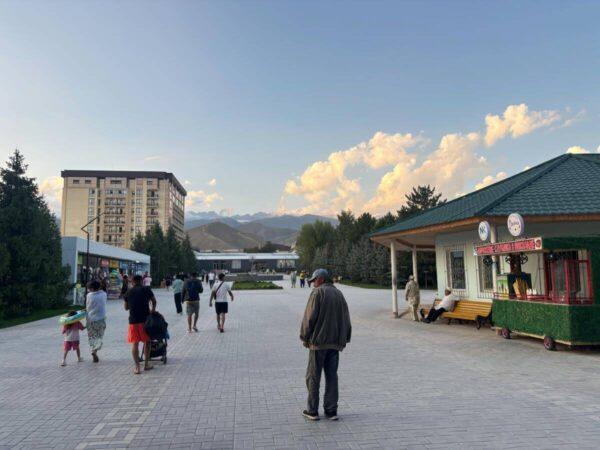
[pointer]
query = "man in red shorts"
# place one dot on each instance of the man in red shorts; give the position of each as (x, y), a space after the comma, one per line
(139, 301)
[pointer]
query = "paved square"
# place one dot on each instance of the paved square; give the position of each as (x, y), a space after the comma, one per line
(402, 385)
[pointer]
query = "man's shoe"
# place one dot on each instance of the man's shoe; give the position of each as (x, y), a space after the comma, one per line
(310, 416)
(331, 416)
(95, 357)
(422, 313)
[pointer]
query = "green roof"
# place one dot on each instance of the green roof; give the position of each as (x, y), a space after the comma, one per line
(568, 184)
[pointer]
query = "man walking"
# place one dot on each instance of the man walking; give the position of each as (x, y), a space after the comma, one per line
(413, 297)
(191, 296)
(138, 301)
(219, 294)
(293, 277)
(325, 331)
(211, 279)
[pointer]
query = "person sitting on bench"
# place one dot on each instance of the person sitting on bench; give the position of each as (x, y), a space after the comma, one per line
(447, 304)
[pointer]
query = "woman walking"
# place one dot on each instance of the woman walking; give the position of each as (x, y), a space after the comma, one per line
(96, 317)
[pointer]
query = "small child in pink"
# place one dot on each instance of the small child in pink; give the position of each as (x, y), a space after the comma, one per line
(71, 333)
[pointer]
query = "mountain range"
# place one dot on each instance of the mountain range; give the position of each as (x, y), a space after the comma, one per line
(213, 231)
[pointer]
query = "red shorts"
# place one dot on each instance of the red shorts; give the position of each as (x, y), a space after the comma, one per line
(71, 345)
(136, 333)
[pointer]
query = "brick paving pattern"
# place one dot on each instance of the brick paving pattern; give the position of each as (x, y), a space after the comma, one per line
(402, 385)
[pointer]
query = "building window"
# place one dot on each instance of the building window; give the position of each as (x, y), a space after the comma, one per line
(486, 273)
(455, 269)
(150, 182)
(236, 264)
(115, 182)
(88, 181)
(75, 181)
(92, 201)
(92, 192)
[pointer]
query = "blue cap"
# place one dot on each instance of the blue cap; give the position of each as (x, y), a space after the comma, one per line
(318, 273)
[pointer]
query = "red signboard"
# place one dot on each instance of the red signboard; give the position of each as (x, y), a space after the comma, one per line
(523, 245)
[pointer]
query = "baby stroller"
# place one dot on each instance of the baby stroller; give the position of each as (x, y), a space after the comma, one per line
(156, 327)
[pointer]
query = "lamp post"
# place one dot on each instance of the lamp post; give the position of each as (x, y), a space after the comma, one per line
(87, 256)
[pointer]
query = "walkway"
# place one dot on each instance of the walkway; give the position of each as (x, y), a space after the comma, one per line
(403, 384)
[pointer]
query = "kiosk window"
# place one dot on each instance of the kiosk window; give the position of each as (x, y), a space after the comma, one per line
(455, 262)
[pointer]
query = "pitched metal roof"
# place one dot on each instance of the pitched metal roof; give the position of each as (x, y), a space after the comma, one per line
(568, 184)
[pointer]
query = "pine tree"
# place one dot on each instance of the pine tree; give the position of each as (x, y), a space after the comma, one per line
(420, 199)
(188, 261)
(31, 273)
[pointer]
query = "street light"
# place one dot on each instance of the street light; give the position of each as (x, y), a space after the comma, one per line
(87, 257)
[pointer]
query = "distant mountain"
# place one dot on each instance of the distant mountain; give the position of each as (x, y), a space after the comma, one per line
(189, 224)
(220, 236)
(286, 236)
(294, 222)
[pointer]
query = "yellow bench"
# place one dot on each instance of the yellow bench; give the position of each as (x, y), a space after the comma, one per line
(473, 310)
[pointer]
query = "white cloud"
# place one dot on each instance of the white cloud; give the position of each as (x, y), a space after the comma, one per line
(197, 200)
(447, 169)
(153, 158)
(574, 119)
(491, 179)
(51, 189)
(212, 182)
(576, 149)
(517, 121)
(325, 185)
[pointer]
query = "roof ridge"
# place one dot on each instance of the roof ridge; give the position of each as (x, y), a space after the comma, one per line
(552, 164)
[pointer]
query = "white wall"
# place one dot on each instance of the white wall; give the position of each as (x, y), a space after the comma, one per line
(469, 239)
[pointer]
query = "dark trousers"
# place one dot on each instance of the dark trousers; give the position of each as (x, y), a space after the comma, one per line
(211, 283)
(434, 314)
(178, 302)
(322, 361)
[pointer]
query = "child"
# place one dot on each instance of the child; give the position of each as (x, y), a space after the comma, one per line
(71, 333)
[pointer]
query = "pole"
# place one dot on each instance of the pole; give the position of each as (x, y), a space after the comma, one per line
(493, 240)
(414, 262)
(87, 255)
(394, 278)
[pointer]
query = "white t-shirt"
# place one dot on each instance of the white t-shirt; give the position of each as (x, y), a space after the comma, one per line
(222, 291)
(447, 303)
(147, 281)
(211, 276)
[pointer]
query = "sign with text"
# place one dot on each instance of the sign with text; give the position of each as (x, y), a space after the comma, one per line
(501, 248)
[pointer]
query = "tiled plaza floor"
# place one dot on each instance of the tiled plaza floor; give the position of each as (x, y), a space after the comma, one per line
(403, 385)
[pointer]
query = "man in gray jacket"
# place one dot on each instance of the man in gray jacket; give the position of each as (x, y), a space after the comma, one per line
(325, 331)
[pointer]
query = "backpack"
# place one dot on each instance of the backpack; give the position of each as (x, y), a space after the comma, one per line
(156, 326)
(194, 289)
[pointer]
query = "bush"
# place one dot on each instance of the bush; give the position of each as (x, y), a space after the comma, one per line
(254, 285)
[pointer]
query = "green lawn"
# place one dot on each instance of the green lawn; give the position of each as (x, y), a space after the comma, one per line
(254, 285)
(37, 315)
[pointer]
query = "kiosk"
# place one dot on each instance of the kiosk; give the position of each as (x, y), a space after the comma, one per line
(567, 310)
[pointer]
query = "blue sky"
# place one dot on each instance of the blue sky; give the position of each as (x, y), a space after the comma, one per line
(254, 94)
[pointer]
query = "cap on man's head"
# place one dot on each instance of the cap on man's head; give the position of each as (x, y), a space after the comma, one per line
(318, 274)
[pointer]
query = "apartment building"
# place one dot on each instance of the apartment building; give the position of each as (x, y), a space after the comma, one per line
(128, 202)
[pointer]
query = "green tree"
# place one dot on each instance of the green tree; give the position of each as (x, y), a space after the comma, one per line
(311, 237)
(420, 199)
(188, 262)
(31, 271)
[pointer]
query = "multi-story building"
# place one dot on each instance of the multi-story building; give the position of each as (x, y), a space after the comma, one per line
(128, 203)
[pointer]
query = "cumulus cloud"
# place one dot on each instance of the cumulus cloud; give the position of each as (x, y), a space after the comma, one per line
(575, 149)
(212, 182)
(325, 185)
(491, 179)
(452, 166)
(517, 121)
(447, 168)
(197, 200)
(51, 189)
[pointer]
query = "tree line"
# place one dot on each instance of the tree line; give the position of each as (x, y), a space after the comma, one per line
(346, 251)
(168, 254)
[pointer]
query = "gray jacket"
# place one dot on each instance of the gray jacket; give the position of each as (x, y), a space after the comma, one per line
(326, 323)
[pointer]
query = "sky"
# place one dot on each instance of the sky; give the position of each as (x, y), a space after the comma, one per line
(298, 107)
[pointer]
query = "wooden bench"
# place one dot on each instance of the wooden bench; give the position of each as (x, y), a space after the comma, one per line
(473, 310)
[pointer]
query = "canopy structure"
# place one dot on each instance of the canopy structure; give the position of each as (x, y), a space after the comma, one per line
(563, 189)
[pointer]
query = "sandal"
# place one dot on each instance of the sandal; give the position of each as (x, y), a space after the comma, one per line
(137, 371)
(148, 367)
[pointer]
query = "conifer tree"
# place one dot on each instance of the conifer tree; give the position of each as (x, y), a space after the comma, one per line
(31, 272)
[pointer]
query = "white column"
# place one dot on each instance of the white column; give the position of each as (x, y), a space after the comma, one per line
(493, 240)
(414, 262)
(394, 278)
